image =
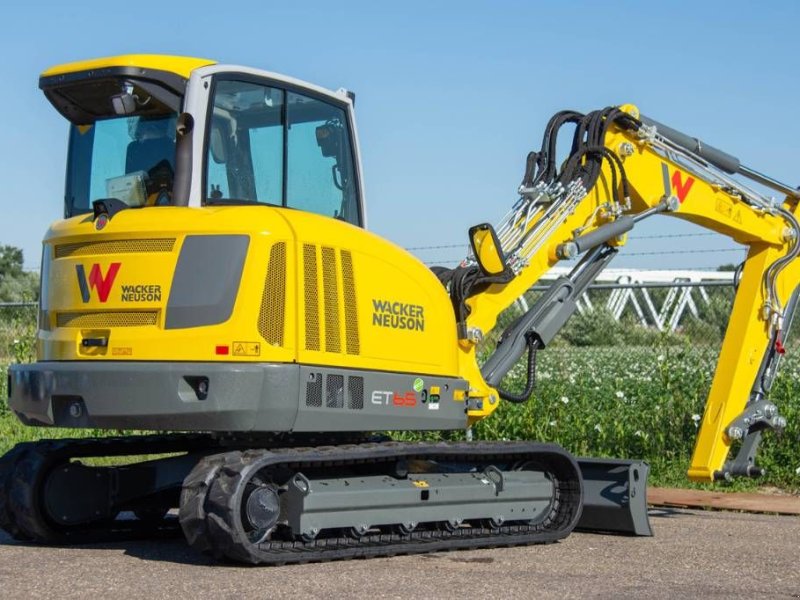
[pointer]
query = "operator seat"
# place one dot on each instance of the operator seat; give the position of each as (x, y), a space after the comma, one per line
(144, 155)
(153, 151)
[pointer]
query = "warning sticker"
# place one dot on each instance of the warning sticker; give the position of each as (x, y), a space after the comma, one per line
(246, 348)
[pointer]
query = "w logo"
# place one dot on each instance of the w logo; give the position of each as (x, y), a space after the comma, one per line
(681, 187)
(97, 281)
(676, 183)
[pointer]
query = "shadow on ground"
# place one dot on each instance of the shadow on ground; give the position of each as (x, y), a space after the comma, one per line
(174, 549)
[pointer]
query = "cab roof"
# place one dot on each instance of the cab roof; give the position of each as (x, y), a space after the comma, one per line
(181, 66)
(82, 91)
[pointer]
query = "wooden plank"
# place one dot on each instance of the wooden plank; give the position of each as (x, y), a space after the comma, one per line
(757, 503)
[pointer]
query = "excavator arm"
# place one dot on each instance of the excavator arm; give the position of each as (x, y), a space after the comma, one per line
(623, 168)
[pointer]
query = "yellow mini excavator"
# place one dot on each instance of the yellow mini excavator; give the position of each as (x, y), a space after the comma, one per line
(212, 280)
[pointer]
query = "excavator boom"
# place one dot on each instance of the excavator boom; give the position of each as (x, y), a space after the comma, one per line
(624, 168)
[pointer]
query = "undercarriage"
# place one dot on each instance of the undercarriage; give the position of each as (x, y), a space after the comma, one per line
(284, 502)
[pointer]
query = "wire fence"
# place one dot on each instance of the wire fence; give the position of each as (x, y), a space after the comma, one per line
(23, 308)
(624, 305)
(451, 254)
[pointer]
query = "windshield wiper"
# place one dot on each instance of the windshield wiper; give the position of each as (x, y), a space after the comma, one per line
(238, 202)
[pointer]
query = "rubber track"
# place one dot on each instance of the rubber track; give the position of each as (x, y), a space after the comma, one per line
(25, 467)
(8, 465)
(210, 504)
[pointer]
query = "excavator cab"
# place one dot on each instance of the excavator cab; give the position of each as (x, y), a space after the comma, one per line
(246, 138)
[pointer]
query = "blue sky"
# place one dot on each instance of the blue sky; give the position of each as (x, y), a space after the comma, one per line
(450, 95)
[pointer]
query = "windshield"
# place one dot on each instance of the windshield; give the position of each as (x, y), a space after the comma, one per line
(131, 159)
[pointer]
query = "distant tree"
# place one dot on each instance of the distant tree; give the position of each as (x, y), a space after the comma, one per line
(15, 284)
(727, 267)
(595, 328)
(11, 262)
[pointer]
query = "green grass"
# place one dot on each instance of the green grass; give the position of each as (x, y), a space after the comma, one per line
(640, 402)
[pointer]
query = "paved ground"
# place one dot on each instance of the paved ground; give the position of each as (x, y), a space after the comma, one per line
(693, 554)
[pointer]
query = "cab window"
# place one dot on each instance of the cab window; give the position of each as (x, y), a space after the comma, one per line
(271, 146)
(130, 159)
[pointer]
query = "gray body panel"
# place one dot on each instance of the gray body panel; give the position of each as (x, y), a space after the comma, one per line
(206, 280)
(260, 397)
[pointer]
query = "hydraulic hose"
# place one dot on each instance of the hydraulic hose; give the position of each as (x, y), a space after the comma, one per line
(531, 379)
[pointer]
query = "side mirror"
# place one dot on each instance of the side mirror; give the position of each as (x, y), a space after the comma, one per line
(329, 140)
(184, 124)
(487, 250)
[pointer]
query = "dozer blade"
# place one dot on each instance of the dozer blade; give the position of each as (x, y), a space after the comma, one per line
(614, 496)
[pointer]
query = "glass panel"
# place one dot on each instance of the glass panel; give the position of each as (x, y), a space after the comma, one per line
(267, 147)
(249, 139)
(131, 159)
(245, 145)
(320, 159)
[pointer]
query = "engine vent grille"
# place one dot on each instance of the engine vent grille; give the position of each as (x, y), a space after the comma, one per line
(273, 300)
(334, 391)
(336, 302)
(355, 392)
(115, 247)
(107, 319)
(311, 296)
(333, 340)
(350, 307)
(314, 390)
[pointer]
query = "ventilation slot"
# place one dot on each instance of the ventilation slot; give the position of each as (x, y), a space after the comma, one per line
(311, 296)
(334, 391)
(350, 307)
(273, 301)
(336, 300)
(314, 390)
(107, 319)
(355, 392)
(115, 247)
(333, 337)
